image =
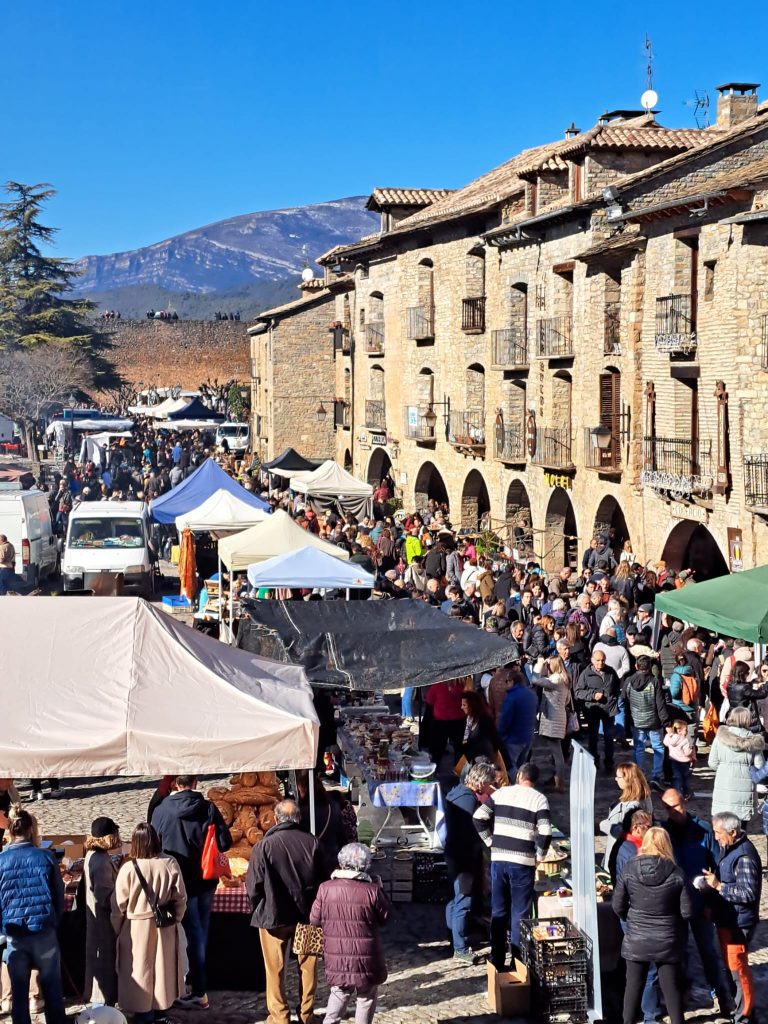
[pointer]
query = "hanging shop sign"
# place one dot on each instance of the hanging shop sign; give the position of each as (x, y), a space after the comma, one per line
(735, 549)
(379, 439)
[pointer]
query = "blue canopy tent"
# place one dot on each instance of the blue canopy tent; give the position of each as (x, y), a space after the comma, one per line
(195, 410)
(205, 481)
(309, 567)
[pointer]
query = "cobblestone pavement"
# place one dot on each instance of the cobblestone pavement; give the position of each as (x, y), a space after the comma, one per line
(424, 987)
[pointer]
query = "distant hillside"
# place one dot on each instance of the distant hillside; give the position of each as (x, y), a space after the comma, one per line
(249, 300)
(229, 259)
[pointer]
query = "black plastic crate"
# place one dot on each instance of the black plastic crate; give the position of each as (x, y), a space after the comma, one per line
(565, 943)
(566, 973)
(560, 997)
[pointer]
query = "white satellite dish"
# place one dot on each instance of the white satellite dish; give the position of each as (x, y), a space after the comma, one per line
(649, 99)
(307, 274)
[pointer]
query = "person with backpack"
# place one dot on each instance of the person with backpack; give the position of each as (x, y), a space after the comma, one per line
(181, 821)
(650, 715)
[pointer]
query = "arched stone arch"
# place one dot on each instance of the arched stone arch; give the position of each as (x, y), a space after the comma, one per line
(560, 545)
(691, 546)
(379, 465)
(475, 503)
(517, 509)
(609, 519)
(429, 485)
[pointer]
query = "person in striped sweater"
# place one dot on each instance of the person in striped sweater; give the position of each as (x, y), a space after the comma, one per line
(515, 823)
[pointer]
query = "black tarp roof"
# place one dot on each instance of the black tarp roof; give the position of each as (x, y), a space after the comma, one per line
(195, 410)
(290, 460)
(370, 645)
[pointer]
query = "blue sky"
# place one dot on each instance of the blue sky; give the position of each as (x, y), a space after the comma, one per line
(152, 118)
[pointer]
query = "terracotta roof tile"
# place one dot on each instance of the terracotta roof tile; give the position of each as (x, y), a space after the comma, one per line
(405, 197)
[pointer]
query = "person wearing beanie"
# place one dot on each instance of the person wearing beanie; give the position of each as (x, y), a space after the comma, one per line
(102, 861)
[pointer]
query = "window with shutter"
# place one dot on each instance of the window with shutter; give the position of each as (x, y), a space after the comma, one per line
(610, 413)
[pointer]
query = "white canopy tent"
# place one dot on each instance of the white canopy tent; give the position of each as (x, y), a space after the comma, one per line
(309, 567)
(61, 430)
(221, 514)
(276, 536)
(329, 485)
(164, 409)
(160, 698)
(302, 474)
(186, 424)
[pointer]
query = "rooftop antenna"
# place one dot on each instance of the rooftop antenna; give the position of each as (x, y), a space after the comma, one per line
(649, 99)
(700, 108)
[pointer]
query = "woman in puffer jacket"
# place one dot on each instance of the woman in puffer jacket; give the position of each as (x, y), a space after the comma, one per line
(735, 750)
(551, 675)
(350, 909)
(653, 897)
(542, 642)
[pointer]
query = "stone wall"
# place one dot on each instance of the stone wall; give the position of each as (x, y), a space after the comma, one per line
(164, 353)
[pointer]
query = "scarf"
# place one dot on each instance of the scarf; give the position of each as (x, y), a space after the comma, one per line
(358, 876)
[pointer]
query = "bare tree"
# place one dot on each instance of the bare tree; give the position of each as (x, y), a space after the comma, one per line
(216, 395)
(120, 396)
(35, 378)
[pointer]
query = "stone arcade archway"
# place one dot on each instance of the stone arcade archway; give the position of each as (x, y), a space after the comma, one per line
(691, 546)
(348, 460)
(560, 545)
(519, 517)
(379, 465)
(609, 519)
(475, 502)
(429, 484)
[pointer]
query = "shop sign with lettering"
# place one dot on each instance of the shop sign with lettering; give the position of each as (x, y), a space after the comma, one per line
(558, 480)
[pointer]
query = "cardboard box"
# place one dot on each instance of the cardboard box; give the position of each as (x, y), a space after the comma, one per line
(72, 845)
(509, 993)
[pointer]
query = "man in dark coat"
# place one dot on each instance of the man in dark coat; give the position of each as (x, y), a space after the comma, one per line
(181, 821)
(645, 698)
(285, 871)
(598, 689)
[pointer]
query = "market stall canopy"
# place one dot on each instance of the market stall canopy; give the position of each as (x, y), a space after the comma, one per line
(194, 410)
(61, 429)
(288, 463)
(164, 409)
(159, 699)
(221, 514)
(734, 605)
(277, 536)
(309, 567)
(197, 488)
(329, 485)
(371, 645)
(186, 424)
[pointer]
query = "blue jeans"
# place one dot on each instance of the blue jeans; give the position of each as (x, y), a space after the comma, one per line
(458, 909)
(7, 580)
(517, 755)
(653, 736)
(195, 924)
(681, 773)
(406, 702)
(597, 718)
(38, 950)
(511, 900)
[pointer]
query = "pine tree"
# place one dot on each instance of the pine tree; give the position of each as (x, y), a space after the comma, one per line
(33, 307)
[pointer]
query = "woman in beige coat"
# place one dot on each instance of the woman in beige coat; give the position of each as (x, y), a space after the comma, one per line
(151, 961)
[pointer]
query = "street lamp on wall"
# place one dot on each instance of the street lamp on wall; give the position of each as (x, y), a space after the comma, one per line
(321, 413)
(601, 436)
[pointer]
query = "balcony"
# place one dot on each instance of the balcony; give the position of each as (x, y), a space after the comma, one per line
(466, 429)
(416, 426)
(681, 465)
(553, 448)
(756, 480)
(510, 444)
(604, 460)
(374, 338)
(420, 323)
(510, 348)
(374, 415)
(473, 315)
(675, 325)
(612, 329)
(554, 338)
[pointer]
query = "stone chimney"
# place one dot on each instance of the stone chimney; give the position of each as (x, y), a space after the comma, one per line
(572, 131)
(737, 102)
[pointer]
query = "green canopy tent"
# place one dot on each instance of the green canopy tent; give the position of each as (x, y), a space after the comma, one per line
(734, 605)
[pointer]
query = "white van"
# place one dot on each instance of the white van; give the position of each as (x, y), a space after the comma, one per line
(108, 537)
(25, 519)
(237, 436)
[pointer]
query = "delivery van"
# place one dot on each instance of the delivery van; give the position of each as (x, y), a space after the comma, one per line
(108, 537)
(25, 519)
(236, 435)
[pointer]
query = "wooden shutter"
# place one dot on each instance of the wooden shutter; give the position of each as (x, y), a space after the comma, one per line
(610, 411)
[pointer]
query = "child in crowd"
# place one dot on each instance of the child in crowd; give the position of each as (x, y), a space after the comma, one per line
(682, 755)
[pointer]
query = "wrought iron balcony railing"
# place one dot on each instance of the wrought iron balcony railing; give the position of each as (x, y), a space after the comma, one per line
(554, 338)
(420, 323)
(510, 348)
(466, 429)
(607, 460)
(612, 329)
(675, 326)
(374, 337)
(756, 480)
(473, 315)
(682, 465)
(510, 444)
(553, 448)
(374, 415)
(416, 426)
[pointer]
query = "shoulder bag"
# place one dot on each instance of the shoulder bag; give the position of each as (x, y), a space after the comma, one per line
(214, 864)
(164, 913)
(308, 939)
